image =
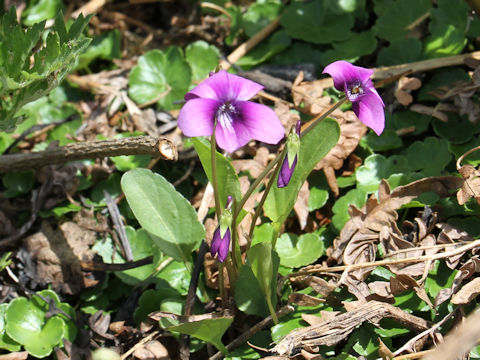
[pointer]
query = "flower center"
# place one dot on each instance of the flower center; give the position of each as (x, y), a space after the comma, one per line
(355, 90)
(226, 114)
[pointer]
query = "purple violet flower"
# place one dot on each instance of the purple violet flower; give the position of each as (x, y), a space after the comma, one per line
(220, 245)
(355, 82)
(290, 161)
(222, 99)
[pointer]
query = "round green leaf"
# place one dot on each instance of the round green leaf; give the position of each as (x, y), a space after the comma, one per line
(296, 251)
(6, 342)
(456, 130)
(430, 156)
(259, 15)
(389, 140)
(202, 58)
(400, 51)
(155, 73)
(27, 324)
(163, 212)
(376, 168)
(351, 49)
(340, 209)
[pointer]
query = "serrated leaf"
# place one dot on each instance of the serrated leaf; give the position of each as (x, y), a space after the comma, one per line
(314, 146)
(163, 212)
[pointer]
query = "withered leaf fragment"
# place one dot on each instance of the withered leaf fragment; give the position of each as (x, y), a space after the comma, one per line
(471, 185)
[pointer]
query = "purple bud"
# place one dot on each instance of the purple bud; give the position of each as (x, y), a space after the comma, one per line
(286, 172)
(298, 127)
(220, 245)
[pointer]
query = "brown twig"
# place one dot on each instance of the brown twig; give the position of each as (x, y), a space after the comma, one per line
(97, 266)
(139, 145)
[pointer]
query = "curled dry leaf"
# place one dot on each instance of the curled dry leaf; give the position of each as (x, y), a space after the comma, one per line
(301, 205)
(335, 329)
(471, 185)
(467, 293)
(404, 86)
(300, 299)
(153, 349)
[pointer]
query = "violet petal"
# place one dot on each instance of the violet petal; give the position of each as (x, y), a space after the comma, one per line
(197, 117)
(226, 87)
(261, 121)
(343, 73)
(224, 247)
(369, 110)
(230, 133)
(216, 241)
(286, 172)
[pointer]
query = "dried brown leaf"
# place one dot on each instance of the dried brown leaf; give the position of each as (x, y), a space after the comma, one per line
(312, 319)
(467, 293)
(471, 185)
(404, 86)
(256, 165)
(304, 300)
(287, 117)
(381, 288)
(152, 350)
(384, 352)
(19, 355)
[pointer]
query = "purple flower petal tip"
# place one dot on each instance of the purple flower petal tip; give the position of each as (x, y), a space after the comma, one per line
(220, 245)
(356, 83)
(222, 99)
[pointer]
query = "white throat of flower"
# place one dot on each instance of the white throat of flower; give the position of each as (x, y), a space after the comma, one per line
(225, 115)
(355, 90)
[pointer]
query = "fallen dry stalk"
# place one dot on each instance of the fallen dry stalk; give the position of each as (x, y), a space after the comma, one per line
(139, 145)
(335, 329)
(347, 268)
(460, 341)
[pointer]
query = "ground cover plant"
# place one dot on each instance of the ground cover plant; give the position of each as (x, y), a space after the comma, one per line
(239, 180)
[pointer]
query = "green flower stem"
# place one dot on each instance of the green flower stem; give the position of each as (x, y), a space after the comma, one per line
(316, 120)
(271, 309)
(213, 149)
(221, 285)
(264, 197)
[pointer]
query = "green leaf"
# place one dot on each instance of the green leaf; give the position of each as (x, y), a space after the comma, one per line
(6, 342)
(41, 10)
(441, 78)
(340, 208)
(400, 51)
(405, 119)
(393, 23)
(129, 162)
(26, 323)
(445, 41)
(21, 82)
(18, 183)
(456, 130)
(317, 199)
(312, 22)
(460, 149)
(142, 246)
(203, 58)
(260, 260)
(377, 167)
(105, 46)
(314, 146)
(248, 294)
(228, 183)
(209, 330)
(275, 44)
(158, 72)
(163, 212)
(263, 233)
(351, 49)
(389, 140)
(259, 15)
(299, 52)
(297, 251)
(430, 156)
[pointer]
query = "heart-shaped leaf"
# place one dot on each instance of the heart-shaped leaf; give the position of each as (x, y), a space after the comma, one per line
(296, 251)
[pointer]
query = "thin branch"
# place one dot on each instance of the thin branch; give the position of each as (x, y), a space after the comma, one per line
(139, 145)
